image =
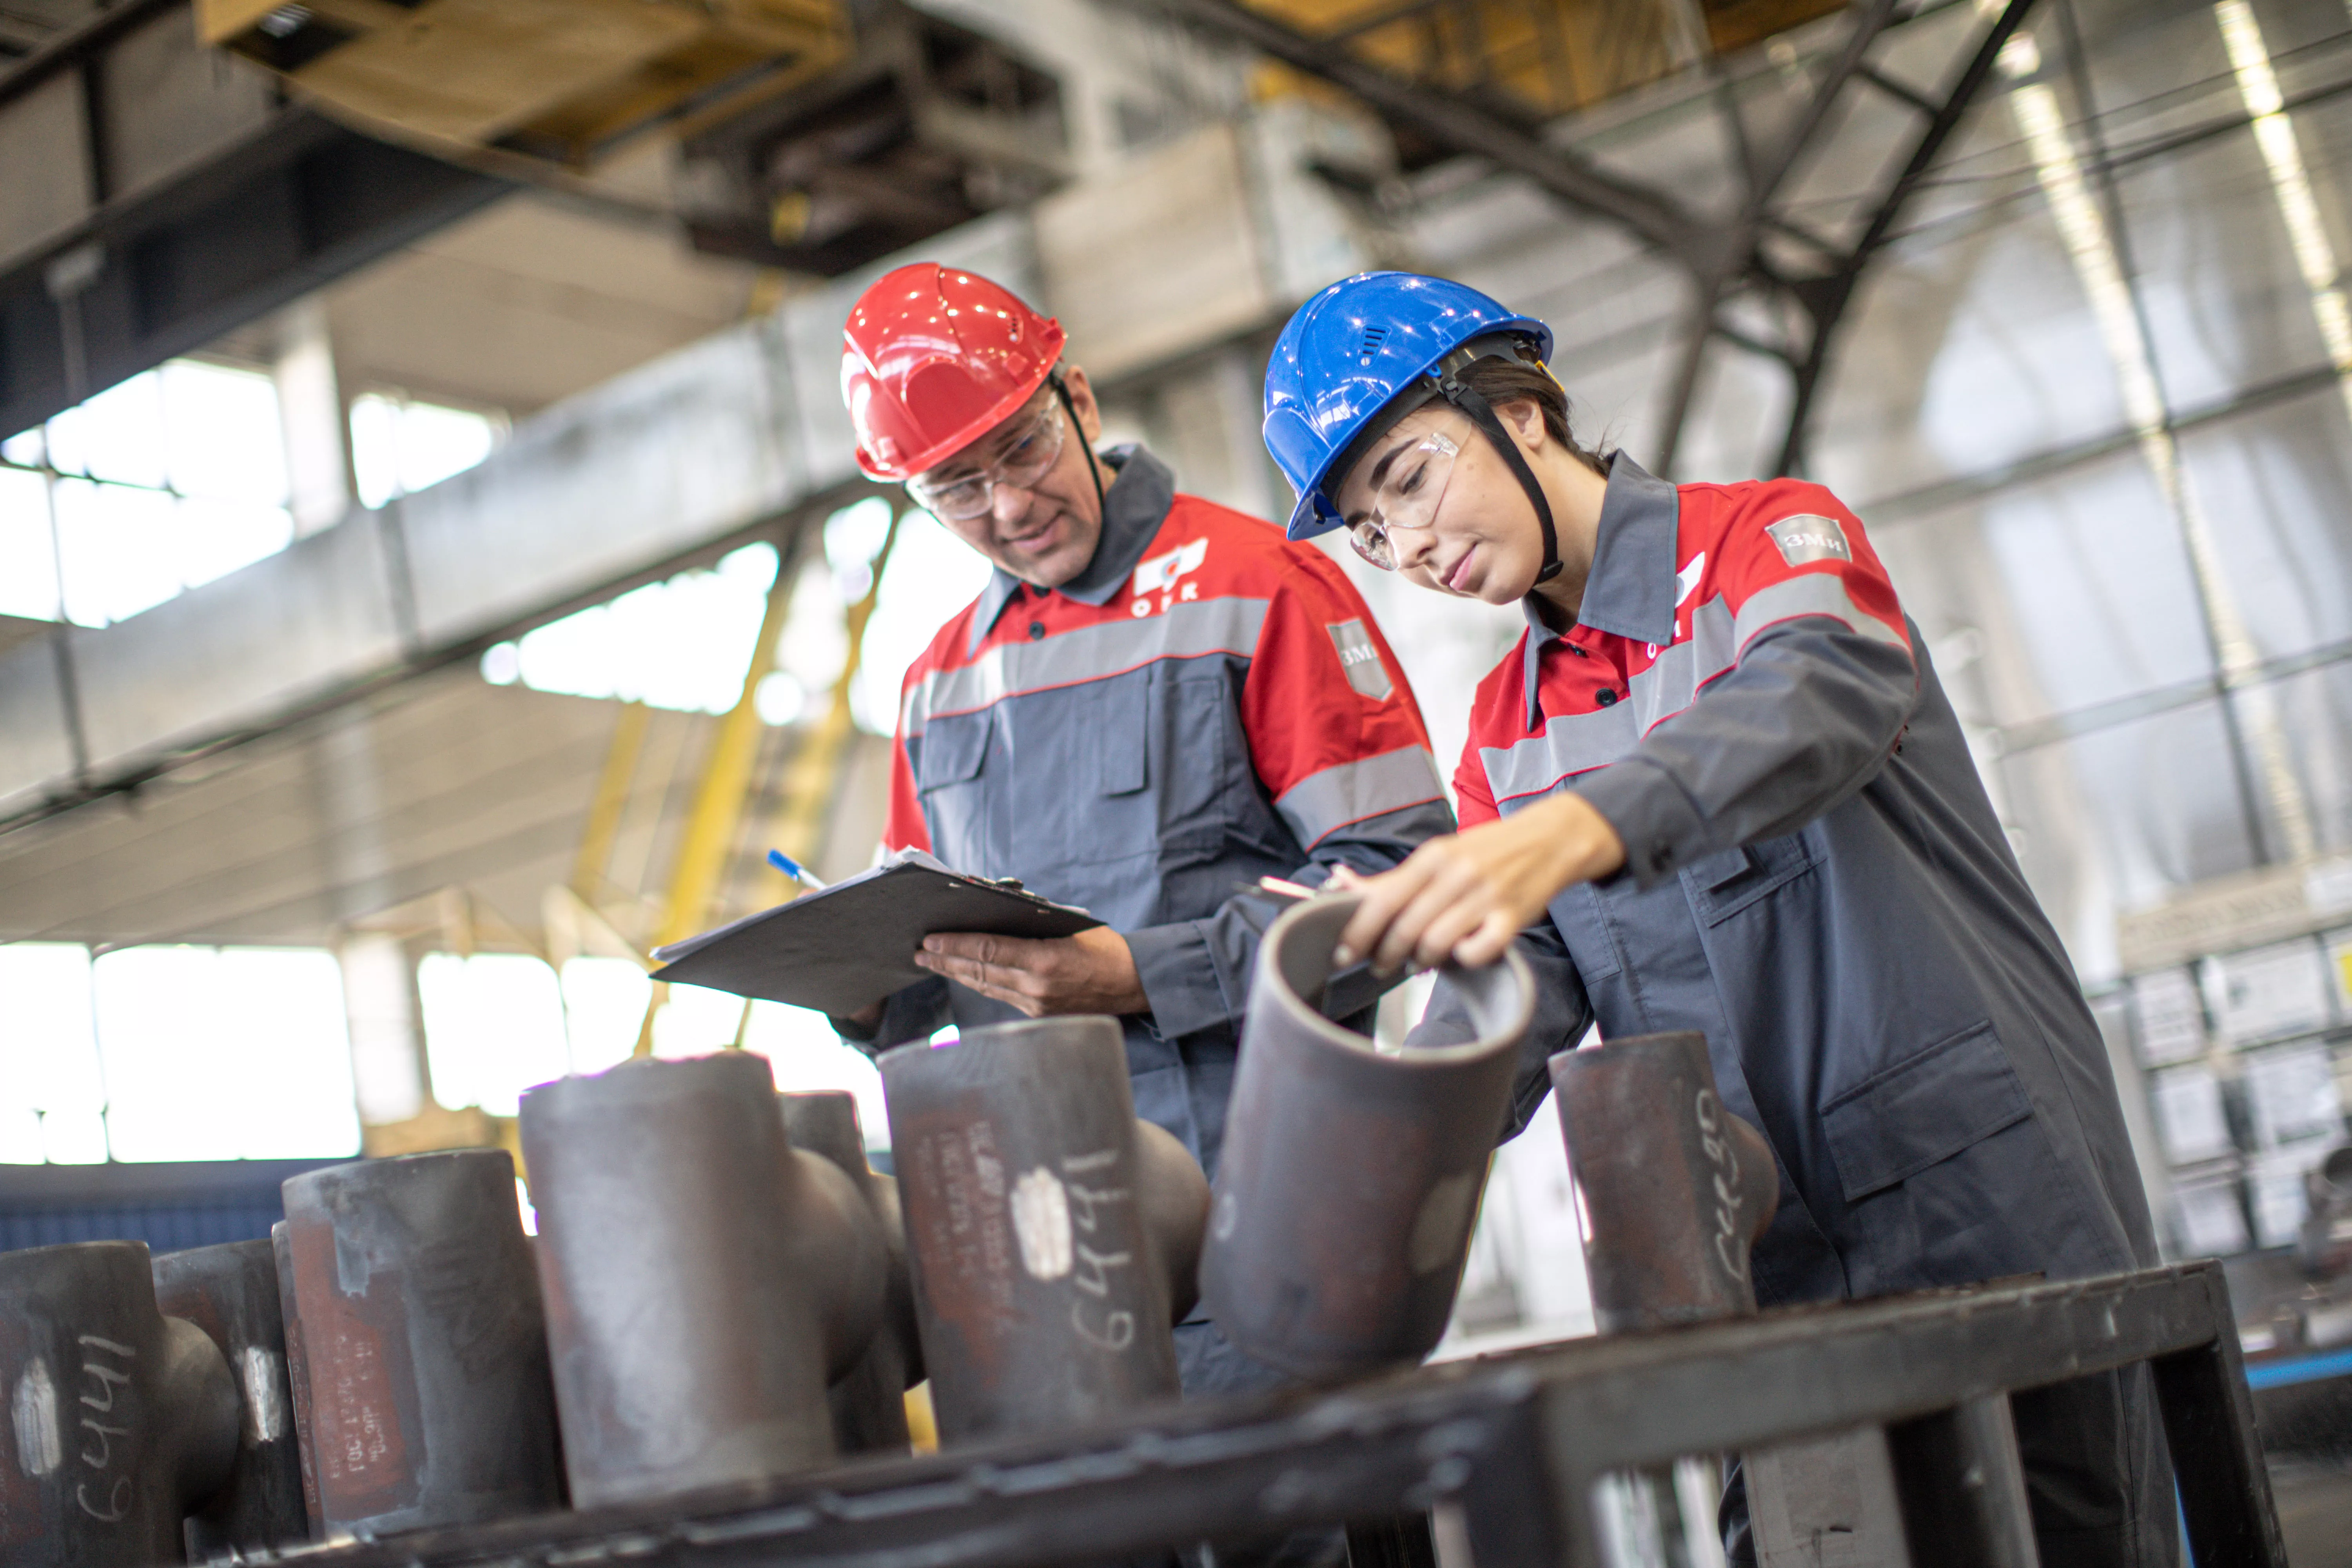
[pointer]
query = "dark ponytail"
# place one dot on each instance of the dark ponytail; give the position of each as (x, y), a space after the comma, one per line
(1501, 380)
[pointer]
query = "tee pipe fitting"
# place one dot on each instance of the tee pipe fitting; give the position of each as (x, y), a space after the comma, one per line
(1676, 1190)
(1350, 1178)
(231, 1293)
(422, 1341)
(1051, 1235)
(704, 1280)
(120, 1419)
(869, 1401)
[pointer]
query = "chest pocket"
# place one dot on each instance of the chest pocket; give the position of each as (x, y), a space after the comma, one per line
(1118, 724)
(1723, 884)
(948, 778)
(954, 752)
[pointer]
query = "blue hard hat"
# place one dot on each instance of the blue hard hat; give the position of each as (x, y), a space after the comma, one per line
(1348, 352)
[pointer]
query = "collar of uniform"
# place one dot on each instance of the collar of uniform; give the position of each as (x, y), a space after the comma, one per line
(1134, 507)
(1630, 588)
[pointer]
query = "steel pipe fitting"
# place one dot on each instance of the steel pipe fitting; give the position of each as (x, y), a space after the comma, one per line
(422, 1343)
(1350, 1178)
(298, 1374)
(1676, 1190)
(869, 1401)
(120, 1419)
(704, 1280)
(1041, 1221)
(231, 1293)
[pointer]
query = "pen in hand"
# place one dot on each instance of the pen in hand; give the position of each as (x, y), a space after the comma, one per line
(795, 871)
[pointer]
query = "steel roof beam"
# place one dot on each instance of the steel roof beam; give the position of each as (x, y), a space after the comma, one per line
(1654, 216)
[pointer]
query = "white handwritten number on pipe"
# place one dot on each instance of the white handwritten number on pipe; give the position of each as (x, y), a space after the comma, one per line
(1719, 1153)
(99, 1453)
(1093, 1276)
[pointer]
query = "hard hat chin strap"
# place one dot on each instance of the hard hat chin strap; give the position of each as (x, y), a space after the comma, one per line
(1094, 471)
(1482, 414)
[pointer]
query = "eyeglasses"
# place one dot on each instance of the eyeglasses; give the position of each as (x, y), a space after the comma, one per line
(1412, 484)
(1023, 464)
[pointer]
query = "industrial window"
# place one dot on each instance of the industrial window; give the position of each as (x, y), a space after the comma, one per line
(680, 644)
(685, 643)
(400, 445)
(496, 1024)
(172, 1052)
(156, 486)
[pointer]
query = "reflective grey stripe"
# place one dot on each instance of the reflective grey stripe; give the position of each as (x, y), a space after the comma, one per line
(1811, 593)
(1671, 683)
(1579, 743)
(1320, 804)
(1089, 653)
(1711, 634)
(1571, 744)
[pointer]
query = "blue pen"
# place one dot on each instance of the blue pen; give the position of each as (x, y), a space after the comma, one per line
(794, 869)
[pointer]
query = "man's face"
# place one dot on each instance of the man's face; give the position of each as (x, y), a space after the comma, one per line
(1043, 533)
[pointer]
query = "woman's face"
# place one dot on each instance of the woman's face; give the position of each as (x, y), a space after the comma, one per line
(1483, 540)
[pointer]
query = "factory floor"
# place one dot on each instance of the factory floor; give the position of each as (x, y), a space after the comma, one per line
(2315, 1510)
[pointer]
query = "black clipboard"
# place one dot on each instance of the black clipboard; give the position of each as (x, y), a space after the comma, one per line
(841, 948)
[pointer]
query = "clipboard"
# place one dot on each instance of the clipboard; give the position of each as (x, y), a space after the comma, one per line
(849, 946)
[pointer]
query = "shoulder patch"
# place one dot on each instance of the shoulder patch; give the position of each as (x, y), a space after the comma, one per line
(1361, 659)
(1808, 537)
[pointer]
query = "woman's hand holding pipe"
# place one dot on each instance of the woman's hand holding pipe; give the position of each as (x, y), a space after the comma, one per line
(1466, 896)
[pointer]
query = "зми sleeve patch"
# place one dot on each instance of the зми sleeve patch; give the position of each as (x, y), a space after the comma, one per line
(1360, 659)
(1806, 538)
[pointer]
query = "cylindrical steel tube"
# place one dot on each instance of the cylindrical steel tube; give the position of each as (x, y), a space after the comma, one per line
(868, 1402)
(1040, 1284)
(297, 1375)
(231, 1293)
(423, 1340)
(119, 1418)
(1675, 1188)
(1350, 1178)
(704, 1280)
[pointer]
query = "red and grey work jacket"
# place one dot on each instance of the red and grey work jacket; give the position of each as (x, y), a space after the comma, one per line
(1815, 879)
(1204, 705)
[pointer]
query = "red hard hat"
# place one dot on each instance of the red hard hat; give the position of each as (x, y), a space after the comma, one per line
(933, 359)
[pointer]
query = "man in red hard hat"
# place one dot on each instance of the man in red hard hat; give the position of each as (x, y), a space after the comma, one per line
(1155, 702)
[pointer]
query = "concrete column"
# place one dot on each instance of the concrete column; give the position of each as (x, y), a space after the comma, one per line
(388, 1072)
(311, 412)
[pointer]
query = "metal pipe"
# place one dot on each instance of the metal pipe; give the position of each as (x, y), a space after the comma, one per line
(1350, 1179)
(1039, 1229)
(868, 1402)
(297, 1375)
(231, 1293)
(422, 1341)
(1675, 1189)
(120, 1419)
(704, 1280)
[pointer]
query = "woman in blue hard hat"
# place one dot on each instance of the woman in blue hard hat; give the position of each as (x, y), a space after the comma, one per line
(1717, 786)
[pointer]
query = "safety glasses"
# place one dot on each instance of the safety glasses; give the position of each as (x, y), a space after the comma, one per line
(1406, 490)
(1023, 464)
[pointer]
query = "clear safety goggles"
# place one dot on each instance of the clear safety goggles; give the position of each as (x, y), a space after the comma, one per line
(1406, 495)
(1020, 468)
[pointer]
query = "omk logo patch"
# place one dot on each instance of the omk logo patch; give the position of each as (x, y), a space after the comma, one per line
(1158, 575)
(1806, 538)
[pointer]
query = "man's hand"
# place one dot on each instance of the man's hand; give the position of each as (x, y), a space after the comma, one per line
(1466, 895)
(1092, 972)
